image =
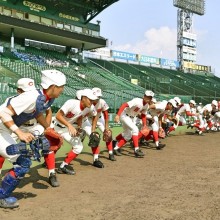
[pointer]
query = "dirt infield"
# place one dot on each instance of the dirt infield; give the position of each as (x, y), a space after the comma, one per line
(180, 182)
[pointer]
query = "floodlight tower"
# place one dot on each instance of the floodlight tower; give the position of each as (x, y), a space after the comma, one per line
(186, 39)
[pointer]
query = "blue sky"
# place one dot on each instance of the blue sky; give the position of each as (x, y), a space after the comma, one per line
(149, 27)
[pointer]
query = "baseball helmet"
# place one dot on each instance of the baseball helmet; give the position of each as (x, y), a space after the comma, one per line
(52, 77)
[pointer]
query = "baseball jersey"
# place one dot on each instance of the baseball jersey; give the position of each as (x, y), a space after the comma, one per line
(101, 106)
(73, 110)
(25, 103)
(207, 107)
(136, 107)
(185, 108)
(159, 109)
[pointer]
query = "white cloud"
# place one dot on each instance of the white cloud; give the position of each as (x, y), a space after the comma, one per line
(156, 42)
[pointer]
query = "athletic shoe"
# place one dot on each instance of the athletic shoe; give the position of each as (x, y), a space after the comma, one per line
(117, 152)
(9, 203)
(65, 170)
(98, 163)
(112, 157)
(160, 146)
(138, 153)
(53, 180)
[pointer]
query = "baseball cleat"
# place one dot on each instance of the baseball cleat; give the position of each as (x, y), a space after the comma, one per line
(65, 170)
(53, 180)
(160, 146)
(138, 153)
(117, 152)
(112, 157)
(9, 203)
(98, 163)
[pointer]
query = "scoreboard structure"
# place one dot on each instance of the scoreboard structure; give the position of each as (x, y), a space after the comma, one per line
(186, 39)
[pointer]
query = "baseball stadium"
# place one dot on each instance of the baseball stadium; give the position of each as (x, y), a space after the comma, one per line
(173, 175)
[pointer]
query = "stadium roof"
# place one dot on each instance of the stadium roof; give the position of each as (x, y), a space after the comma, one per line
(87, 8)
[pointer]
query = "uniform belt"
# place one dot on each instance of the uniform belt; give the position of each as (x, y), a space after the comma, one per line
(130, 116)
(28, 125)
(58, 125)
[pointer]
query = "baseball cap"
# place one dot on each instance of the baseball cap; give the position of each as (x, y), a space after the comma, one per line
(178, 100)
(89, 94)
(173, 102)
(52, 77)
(149, 93)
(79, 94)
(26, 84)
(214, 102)
(98, 91)
(192, 102)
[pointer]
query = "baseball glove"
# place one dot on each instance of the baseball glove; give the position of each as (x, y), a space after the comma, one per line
(145, 131)
(81, 134)
(54, 139)
(94, 139)
(107, 135)
(161, 133)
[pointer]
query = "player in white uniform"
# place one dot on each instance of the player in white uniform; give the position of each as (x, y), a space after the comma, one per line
(171, 126)
(185, 110)
(23, 85)
(127, 114)
(157, 112)
(101, 120)
(204, 113)
(33, 127)
(26, 106)
(68, 118)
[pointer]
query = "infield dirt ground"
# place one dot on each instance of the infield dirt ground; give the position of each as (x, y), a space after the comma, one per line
(180, 182)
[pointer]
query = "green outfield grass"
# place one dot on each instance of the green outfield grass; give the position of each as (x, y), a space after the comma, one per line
(66, 147)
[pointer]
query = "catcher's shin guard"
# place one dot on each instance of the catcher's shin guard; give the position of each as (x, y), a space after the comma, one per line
(9, 183)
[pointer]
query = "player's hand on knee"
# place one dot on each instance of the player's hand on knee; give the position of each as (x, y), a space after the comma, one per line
(26, 137)
(72, 131)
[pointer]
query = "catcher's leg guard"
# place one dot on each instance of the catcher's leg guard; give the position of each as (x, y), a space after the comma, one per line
(9, 183)
(12, 178)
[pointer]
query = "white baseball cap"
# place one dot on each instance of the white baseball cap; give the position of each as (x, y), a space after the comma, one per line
(214, 102)
(178, 100)
(79, 94)
(52, 77)
(192, 102)
(26, 84)
(173, 102)
(89, 94)
(149, 93)
(98, 91)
